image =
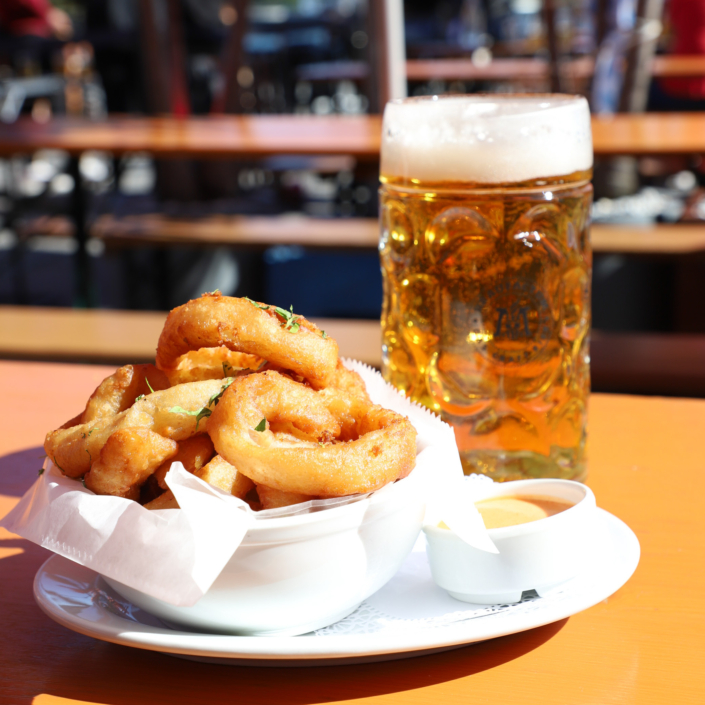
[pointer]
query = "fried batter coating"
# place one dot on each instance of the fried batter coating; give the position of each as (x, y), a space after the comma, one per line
(273, 499)
(260, 386)
(211, 363)
(128, 458)
(193, 454)
(219, 473)
(73, 449)
(347, 399)
(350, 382)
(119, 391)
(381, 446)
(289, 408)
(250, 327)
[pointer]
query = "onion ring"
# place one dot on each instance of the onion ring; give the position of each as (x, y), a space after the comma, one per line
(273, 499)
(73, 449)
(250, 327)
(219, 473)
(347, 399)
(119, 391)
(193, 454)
(211, 363)
(244, 431)
(128, 458)
(350, 382)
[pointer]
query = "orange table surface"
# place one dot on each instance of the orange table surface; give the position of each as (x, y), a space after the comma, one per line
(644, 644)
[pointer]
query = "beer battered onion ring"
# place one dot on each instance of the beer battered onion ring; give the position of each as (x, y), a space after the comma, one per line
(127, 460)
(193, 453)
(118, 391)
(277, 432)
(248, 327)
(74, 449)
(210, 363)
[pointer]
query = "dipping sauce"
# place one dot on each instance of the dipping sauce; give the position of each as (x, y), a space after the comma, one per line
(497, 512)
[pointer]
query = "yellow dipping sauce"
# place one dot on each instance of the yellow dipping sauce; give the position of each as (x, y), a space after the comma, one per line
(510, 511)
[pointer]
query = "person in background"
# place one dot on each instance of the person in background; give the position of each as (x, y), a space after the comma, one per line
(30, 33)
(686, 20)
(37, 18)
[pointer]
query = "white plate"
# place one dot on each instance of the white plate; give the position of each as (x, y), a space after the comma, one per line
(384, 627)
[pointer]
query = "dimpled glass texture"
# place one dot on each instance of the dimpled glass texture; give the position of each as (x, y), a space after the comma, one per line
(486, 317)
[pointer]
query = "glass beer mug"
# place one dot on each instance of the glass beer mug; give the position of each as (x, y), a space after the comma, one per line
(486, 263)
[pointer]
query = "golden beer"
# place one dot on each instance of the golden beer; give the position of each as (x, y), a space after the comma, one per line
(486, 313)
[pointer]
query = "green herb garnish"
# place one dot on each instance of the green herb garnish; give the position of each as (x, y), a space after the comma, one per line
(206, 411)
(324, 334)
(288, 317)
(149, 385)
(261, 426)
(140, 397)
(41, 472)
(216, 397)
(262, 307)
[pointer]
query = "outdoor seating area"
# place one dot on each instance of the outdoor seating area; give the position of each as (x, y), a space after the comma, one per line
(231, 231)
(663, 245)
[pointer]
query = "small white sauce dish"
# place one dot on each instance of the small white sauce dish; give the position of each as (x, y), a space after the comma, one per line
(537, 555)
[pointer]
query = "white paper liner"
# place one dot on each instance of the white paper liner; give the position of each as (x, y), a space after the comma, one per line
(175, 555)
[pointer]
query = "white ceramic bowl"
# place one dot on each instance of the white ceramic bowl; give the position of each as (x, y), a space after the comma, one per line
(538, 555)
(294, 574)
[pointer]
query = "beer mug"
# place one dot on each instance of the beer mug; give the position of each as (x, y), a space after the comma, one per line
(486, 264)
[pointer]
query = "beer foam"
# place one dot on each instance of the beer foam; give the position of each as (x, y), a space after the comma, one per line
(488, 139)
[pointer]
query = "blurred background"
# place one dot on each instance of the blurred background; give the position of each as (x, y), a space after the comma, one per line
(105, 230)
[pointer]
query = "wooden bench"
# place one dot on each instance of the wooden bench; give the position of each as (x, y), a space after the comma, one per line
(265, 136)
(523, 69)
(119, 337)
(295, 229)
(656, 239)
(644, 363)
(250, 231)
(498, 69)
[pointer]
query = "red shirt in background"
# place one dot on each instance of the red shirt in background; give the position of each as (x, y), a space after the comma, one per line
(21, 17)
(687, 19)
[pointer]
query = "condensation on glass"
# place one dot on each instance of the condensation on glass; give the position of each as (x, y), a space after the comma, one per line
(486, 260)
